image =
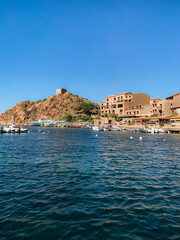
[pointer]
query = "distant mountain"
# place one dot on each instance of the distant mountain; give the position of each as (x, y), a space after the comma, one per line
(55, 107)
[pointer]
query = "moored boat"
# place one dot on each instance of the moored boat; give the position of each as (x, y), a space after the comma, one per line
(12, 129)
(97, 128)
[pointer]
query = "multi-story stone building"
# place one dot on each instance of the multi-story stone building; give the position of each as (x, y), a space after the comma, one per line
(153, 106)
(126, 105)
(160, 107)
(175, 107)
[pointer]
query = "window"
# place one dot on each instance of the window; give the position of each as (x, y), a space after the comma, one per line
(120, 105)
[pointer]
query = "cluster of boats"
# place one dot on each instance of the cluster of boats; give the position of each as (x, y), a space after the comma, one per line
(143, 130)
(12, 129)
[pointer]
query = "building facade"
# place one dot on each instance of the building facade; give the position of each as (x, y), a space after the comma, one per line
(126, 105)
(175, 107)
(160, 107)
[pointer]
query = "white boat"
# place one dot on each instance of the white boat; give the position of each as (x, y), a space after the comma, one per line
(14, 129)
(158, 130)
(97, 128)
(6, 129)
(23, 130)
(113, 128)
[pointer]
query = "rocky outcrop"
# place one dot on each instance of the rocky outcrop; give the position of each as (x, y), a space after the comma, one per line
(54, 107)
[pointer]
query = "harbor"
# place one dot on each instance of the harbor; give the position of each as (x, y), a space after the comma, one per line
(149, 128)
(90, 120)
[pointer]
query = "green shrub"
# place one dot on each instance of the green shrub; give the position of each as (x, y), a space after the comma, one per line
(69, 118)
(118, 119)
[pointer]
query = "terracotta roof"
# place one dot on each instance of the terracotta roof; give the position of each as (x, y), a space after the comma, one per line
(160, 117)
(142, 118)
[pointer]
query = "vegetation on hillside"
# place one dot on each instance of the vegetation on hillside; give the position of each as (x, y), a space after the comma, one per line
(86, 108)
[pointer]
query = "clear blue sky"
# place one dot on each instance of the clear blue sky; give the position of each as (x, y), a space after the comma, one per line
(94, 48)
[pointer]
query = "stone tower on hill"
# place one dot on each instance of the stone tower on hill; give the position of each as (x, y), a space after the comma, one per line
(60, 91)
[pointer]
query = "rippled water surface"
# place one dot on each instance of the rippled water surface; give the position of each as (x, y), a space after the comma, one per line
(73, 184)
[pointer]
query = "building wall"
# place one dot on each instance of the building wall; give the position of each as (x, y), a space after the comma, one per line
(176, 100)
(164, 107)
(153, 106)
(115, 104)
(160, 107)
(104, 121)
(139, 106)
(60, 91)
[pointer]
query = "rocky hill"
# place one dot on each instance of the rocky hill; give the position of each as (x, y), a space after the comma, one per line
(55, 107)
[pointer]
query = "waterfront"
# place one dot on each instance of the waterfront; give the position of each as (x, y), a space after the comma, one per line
(80, 184)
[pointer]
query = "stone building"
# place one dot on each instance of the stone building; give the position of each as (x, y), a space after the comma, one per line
(126, 105)
(60, 91)
(175, 98)
(160, 107)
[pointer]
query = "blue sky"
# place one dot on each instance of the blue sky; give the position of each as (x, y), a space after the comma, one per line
(94, 48)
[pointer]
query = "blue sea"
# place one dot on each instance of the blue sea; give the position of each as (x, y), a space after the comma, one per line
(79, 184)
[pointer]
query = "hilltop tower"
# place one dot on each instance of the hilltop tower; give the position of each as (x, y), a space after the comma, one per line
(60, 91)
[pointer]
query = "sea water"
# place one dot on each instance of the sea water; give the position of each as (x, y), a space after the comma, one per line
(80, 184)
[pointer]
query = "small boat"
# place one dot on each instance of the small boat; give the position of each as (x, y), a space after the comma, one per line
(158, 130)
(113, 128)
(35, 124)
(14, 129)
(23, 130)
(97, 128)
(6, 129)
